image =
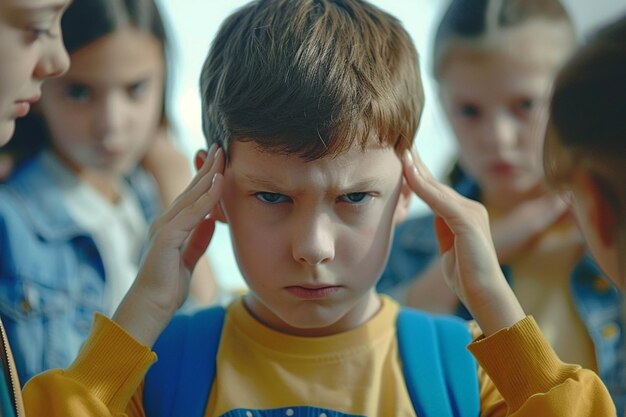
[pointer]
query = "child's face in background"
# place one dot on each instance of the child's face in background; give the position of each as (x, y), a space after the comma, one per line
(103, 114)
(31, 49)
(494, 98)
(312, 238)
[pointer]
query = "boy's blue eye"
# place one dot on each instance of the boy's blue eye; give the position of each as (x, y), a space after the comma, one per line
(271, 198)
(354, 198)
(78, 92)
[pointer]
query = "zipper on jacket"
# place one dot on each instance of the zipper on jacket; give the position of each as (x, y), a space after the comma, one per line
(10, 371)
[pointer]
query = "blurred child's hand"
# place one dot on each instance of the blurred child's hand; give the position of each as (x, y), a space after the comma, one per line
(513, 233)
(469, 261)
(178, 239)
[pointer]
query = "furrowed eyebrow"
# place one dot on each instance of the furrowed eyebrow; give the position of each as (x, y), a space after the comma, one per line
(366, 184)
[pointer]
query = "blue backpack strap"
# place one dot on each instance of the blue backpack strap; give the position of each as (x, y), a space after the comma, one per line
(440, 373)
(180, 382)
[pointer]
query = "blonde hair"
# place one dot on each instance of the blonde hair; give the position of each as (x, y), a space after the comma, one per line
(471, 22)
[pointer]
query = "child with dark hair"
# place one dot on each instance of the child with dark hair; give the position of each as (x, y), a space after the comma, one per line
(308, 106)
(32, 51)
(74, 217)
(585, 156)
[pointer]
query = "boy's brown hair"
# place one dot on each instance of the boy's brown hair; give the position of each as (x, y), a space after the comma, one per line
(311, 78)
(469, 22)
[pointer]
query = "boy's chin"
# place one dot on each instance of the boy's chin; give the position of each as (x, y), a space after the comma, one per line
(307, 319)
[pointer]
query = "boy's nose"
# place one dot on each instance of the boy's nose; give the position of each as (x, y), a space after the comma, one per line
(314, 243)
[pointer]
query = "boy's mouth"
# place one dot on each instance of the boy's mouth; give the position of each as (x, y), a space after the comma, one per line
(313, 292)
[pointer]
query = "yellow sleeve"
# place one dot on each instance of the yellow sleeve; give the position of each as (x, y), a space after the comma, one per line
(101, 381)
(522, 376)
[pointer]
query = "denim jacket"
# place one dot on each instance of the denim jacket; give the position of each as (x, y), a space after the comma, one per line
(52, 276)
(598, 302)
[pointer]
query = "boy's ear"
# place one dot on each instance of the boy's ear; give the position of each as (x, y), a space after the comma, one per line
(404, 201)
(217, 213)
(601, 213)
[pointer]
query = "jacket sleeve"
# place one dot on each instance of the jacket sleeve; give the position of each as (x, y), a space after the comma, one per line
(521, 376)
(100, 383)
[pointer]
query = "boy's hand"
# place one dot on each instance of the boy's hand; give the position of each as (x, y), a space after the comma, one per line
(469, 262)
(178, 238)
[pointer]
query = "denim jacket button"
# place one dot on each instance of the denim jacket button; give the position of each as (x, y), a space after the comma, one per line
(601, 285)
(610, 331)
(25, 305)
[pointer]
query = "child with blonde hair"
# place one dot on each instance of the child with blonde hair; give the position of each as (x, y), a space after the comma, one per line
(494, 62)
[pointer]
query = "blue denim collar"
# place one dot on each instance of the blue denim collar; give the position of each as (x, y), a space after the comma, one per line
(38, 189)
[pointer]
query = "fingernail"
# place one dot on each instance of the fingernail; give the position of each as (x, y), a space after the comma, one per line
(409, 156)
(212, 148)
(214, 178)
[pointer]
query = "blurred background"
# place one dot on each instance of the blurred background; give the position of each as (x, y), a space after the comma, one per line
(193, 24)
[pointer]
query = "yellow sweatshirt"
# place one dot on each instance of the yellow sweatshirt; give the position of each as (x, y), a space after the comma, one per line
(105, 380)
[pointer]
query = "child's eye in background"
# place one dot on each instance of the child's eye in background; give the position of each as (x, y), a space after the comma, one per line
(135, 90)
(41, 32)
(78, 92)
(355, 198)
(524, 107)
(468, 111)
(271, 198)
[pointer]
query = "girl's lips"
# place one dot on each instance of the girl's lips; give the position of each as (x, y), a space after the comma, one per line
(22, 108)
(309, 293)
(502, 168)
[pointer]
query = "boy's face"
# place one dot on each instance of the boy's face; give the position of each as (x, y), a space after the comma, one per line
(312, 238)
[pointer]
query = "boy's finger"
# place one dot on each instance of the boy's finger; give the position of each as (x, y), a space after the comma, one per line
(197, 243)
(445, 237)
(190, 216)
(198, 187)
(441, 198)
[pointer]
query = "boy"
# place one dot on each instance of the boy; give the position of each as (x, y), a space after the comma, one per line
(311, 103)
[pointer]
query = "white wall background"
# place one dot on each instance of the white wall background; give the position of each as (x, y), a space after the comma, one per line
(193, 25)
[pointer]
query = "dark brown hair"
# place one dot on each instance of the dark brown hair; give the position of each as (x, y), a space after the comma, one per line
(588, 112)
(311, 78)
(587, 127)
(469, 21)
